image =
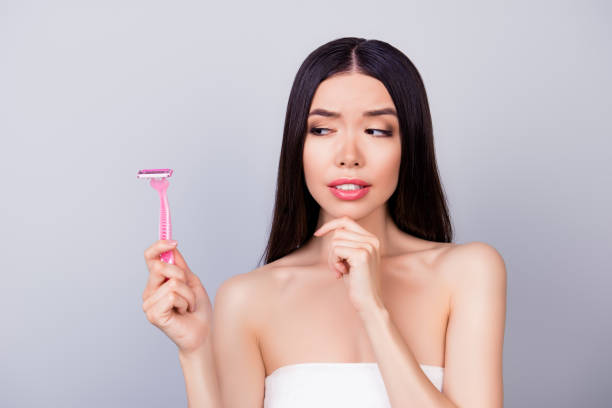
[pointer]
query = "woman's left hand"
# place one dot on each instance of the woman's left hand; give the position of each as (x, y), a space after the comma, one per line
(355, 257)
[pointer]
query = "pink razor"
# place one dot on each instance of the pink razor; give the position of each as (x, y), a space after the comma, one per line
(159, 181)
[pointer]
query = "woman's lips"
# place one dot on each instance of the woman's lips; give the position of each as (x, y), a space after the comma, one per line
(349, 194)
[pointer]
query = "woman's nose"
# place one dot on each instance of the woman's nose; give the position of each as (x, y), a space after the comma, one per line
(349, 153)
(349, 163)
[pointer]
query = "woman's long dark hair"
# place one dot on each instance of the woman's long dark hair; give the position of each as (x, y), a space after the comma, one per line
(418, 204)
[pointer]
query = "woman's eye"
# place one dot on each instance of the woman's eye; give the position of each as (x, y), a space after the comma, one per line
(314, 131)
(384, 132)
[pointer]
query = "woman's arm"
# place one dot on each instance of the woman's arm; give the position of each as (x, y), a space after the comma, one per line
(240, 367)
(228, 370)
(201, 378)
(474, 339)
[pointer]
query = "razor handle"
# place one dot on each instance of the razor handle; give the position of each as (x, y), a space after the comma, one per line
(165, 227)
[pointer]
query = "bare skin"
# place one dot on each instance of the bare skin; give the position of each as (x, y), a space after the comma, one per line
(307, 316)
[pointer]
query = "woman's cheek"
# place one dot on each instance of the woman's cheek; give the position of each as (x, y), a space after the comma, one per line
(313, 172)
(389, 174)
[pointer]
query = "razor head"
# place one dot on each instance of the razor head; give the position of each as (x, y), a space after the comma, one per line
(154, 173)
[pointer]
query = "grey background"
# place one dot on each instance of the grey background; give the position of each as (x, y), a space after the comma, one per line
(91, 92)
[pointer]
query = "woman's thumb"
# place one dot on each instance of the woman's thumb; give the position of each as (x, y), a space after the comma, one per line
(179, 261)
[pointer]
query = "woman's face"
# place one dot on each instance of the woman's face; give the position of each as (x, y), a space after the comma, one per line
(351, 144)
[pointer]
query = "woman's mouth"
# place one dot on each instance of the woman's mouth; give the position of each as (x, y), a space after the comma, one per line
(349, 191)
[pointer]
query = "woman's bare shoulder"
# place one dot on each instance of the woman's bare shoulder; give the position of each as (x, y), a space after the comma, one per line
(260, 283)
(255, 294)
(459, 259)
(250, 282)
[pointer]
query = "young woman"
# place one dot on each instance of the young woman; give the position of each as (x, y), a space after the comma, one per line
(363, 300)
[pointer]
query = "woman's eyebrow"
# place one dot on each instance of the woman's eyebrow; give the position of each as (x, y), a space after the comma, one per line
(330, 114)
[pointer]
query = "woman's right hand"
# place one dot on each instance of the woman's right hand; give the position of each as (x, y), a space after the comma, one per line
(174, 299)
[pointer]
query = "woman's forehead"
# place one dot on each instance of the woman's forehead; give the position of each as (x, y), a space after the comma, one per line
(351, 94)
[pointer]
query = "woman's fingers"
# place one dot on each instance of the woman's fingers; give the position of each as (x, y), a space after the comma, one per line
(180, 261)
(171, 288)
(160, 274)
(153, 252)
(340, 268)
(161, 312)
(192, 279)
(155, 265)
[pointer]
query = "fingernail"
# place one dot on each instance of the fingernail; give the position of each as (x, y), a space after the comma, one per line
(172, 242)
